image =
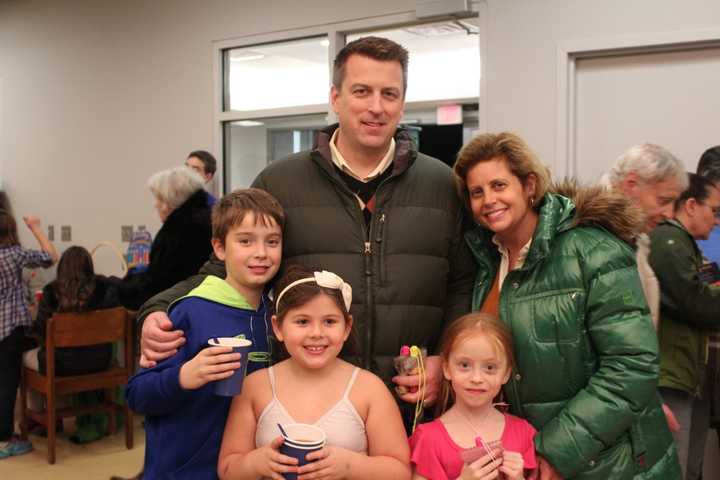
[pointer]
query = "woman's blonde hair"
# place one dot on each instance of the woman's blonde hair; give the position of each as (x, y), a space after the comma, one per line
(521, 161)
(475, 323)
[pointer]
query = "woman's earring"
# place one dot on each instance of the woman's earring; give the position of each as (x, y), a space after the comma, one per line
(532, 201)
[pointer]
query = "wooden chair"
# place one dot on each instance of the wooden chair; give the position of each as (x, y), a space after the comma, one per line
(74, 330)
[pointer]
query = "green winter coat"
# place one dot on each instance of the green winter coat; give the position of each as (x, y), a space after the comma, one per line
(688, 307)
(586, 351)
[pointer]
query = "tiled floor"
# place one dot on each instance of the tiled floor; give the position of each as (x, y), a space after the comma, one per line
(97, 460)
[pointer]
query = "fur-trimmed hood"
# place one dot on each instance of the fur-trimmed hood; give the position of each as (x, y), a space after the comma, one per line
(597, 205)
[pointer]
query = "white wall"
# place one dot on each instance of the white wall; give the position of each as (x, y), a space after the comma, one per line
(522, 38)
(97, 95)
(668, 98)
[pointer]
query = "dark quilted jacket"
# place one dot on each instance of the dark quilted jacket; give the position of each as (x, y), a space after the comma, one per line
(410, 274)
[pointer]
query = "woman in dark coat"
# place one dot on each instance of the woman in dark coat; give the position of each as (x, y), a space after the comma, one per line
(182, 244)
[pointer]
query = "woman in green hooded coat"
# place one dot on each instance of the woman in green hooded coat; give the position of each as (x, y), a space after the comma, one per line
(561, 273)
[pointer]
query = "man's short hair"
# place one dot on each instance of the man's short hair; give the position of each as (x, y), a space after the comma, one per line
(231, 209)
(376, 48)
(709, 164)
(651, 162)
(173, 186)
(207, 159)
(698, 188)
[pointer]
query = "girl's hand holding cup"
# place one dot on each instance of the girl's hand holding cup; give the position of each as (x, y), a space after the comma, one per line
(484, 468)
(209, 365)
(512, 465)
(328, 463)
(268, 462)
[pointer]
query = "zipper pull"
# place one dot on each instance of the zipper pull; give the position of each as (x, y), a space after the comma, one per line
(367, 248)
(381, 222)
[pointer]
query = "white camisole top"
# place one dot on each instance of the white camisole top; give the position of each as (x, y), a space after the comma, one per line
(342, 424)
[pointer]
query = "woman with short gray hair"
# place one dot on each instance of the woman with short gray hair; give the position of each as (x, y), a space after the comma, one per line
(172, 187)
(182, 244)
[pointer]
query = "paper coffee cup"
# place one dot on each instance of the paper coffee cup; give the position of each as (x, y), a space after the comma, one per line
(232, 385)
(300, 440)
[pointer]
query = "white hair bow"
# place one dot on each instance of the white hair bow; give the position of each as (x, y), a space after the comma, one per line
(331, 280)
(327, 280)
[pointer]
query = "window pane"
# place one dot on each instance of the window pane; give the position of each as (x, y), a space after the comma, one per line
(444, 58)
(276, 75)
(251, 144)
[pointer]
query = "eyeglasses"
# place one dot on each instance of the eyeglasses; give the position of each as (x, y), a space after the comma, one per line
(715, 211)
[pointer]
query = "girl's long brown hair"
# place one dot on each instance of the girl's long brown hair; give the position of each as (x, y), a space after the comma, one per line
(8, 229)
(464, 327)
(75, 279)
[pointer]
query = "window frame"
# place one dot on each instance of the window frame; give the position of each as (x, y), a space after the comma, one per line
(336, 34)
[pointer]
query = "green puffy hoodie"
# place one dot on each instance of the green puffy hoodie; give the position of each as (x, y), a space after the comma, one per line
(586, 351)
(688, 307)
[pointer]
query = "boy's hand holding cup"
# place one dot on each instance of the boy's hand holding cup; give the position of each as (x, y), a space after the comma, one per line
(225, 358)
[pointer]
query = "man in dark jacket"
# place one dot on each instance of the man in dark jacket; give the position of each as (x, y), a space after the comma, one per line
(689, 308)
(366, 205)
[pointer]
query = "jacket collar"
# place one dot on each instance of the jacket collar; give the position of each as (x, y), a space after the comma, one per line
(193, 202)
(405, 152)
(602, 207)
(675, 223)
(219, 291)
(556, 215)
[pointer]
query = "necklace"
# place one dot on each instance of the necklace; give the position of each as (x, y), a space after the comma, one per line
(469, 422)
(479, 437)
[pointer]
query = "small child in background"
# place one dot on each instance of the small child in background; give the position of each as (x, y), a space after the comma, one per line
(477, 360)
(15, 319)
(184, 419)
(76, 288)
(365, 437)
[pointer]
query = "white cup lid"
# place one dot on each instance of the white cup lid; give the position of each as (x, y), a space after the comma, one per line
(229, 342)
(304, 434)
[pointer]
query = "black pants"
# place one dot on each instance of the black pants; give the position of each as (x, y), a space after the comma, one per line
(11, 351)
